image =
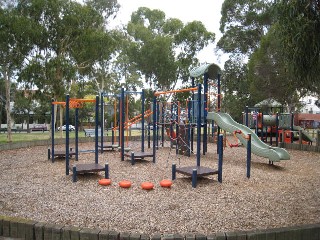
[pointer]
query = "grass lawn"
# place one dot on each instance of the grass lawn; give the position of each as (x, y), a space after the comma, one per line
(26, 137)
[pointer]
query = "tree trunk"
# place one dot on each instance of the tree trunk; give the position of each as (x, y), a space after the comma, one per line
(9, 120)
(28, 122)
(53, 124)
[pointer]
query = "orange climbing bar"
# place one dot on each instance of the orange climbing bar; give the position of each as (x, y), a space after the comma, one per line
(74, 100)
(82, 100)
(59, 103)
(176, 91)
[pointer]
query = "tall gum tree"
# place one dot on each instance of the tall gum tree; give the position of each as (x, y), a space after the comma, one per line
(163, 49)
(74, 40)
(298, 29)
(16, 33)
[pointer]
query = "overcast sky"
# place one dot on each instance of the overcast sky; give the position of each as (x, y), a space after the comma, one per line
(206, 11)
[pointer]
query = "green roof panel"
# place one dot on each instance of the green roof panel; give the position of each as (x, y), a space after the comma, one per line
(210, 68)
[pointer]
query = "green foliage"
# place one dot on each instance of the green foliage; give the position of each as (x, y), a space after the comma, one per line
(268, 73)
(298, 30)
(243, 23)
(280, 39)
(235, 85)
(73, 41)
(163, 49)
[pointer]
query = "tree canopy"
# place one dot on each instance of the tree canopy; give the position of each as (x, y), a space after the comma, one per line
(164, 49)
(298, 28)
(277, 43)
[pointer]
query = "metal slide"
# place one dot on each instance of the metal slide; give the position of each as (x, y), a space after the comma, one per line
(226, 122)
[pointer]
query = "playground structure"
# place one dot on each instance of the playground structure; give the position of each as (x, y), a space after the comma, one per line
(84, 167)
(234, 187)
(278, 125)
(124, 123)
(52, 153)
(196, 117)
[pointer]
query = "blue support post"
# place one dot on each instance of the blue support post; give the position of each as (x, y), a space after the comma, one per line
(199, 126)
(96, 157)
(256, 121)
(171, 125)
(174, 171)
(112, 134)
(157, 126)
(219, 106)
(142, 120)
(291, 127)
(67, 133)
(52, 130)
(194, 178)
(189, 128)
(220, 159)
(163, 126)
(149, 140)
(77, 133)
(101, 121)
(119, 121)
(106, 171)
(177, 128)
(262, 129)
(193, 112)
(212, 128)
(277, 129)
(154, 116)
(49, 154)
(247, 116)
(205, 113)
(249, 156)
(122, 119)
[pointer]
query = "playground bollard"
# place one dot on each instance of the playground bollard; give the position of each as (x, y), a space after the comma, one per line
(74, 176)
(174, 168)
(106, 171)
(49, 154)
(132, 158)
(194, 178)
(249, 156)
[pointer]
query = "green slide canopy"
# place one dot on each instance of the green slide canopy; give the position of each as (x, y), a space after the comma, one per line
(212, 69)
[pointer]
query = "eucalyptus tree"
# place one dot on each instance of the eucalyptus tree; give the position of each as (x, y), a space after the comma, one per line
(125, 71)
(298, 28)
(235, 87)
(23, 107)
(74, 42)
(163, 50)
(16, 33)
(280, 39)
(268, 74)
(243, 23)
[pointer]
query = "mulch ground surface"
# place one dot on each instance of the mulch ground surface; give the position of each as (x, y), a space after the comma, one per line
(284, 194)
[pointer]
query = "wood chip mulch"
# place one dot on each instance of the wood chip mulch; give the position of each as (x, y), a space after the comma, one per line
(284, 194)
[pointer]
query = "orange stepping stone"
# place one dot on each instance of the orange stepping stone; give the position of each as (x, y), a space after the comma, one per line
(125, 184)
(147, 185)
(166, 183)
(104, 181)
